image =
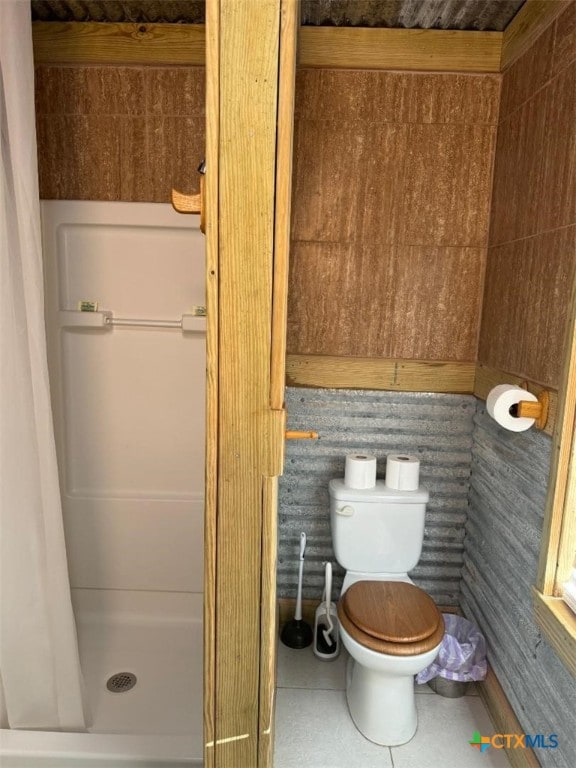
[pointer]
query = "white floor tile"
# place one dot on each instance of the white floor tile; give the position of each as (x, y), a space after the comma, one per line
(302, 669)
(445, 728)
(314, 730)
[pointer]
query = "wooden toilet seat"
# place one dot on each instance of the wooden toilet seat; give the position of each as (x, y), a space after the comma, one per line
(391, 617)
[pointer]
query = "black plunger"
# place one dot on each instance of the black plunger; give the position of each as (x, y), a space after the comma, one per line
(297, 633)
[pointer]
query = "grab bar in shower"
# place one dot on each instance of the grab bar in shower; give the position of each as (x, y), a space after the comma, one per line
(194, 322)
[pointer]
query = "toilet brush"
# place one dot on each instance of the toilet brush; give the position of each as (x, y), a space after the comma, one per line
(297, 633)
(326, 639)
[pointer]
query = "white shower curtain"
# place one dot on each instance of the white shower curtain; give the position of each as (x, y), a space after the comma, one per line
(40, 679)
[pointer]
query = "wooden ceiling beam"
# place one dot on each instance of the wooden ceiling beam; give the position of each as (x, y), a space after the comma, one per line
(333, 47)
(93, 42)
(435, 50)
(432, 50)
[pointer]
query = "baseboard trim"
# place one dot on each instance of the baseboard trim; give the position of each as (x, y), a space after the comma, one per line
(287, 606)
(504, 720)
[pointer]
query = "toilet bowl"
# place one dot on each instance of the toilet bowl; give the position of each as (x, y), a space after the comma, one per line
(390, 627)
(392, 630)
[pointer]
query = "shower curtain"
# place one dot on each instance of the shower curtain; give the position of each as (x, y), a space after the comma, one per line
(40, 679)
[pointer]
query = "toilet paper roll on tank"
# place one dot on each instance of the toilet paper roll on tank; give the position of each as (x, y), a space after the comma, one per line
(360, 471)
(402, 471)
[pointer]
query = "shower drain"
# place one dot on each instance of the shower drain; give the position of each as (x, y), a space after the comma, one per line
(121, 682)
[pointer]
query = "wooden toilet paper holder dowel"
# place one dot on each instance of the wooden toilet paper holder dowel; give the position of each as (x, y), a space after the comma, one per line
(535, 410)
(296, 434)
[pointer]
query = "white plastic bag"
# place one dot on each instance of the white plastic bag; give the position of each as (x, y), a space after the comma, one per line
(462, 655)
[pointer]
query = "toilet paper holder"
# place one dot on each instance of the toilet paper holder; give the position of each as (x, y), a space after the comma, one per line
(533, 410)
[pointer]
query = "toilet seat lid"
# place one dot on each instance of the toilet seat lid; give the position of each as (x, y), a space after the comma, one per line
(393, 611)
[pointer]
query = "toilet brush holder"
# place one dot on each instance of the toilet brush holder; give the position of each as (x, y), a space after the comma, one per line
(326, 643)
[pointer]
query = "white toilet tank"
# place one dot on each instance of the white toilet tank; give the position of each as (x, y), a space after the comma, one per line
(377, 530)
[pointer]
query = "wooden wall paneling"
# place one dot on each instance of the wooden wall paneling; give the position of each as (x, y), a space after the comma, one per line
(118, 132)
(526, 304)
(487, 378)
(530, 21)
(392, 301)
(78, 42)
(413, 49)
(390, 215)
(528, 74)
(211, 196)
(534, 154)
(565, 38)
(334, 372)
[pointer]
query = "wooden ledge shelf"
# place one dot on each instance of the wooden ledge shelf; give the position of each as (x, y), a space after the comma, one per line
(437, 50)
(433, 50)
(80, 42)
(333, 372)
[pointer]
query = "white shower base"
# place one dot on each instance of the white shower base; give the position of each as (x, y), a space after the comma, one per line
(158, 637)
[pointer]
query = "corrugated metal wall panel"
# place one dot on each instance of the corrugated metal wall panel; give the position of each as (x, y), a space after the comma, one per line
(136, 11)
(423, 14)
(503, 533)
(420, 14)
(437, 428)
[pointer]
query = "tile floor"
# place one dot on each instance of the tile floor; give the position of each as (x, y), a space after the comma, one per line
(314, 729)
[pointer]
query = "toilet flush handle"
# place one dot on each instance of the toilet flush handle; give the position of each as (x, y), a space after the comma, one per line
(346, 511)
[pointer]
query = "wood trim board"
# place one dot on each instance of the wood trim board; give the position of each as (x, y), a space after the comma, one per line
(74, 42)
(268, 623)
(553, 566)
(284, 159)
(504, 719)
(435, 50)
(79, 42)
(248, 94)
(212, 314)
(559, 625)
(289, 14)
(530, 21)
(250, 434)
(334, 372)
(287, 606)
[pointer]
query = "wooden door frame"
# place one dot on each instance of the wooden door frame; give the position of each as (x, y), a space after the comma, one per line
(248, 157)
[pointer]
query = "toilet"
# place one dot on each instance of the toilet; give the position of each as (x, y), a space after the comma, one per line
(391, 628)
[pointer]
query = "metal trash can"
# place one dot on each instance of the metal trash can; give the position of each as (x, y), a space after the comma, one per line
(450, 689)
(460, 660)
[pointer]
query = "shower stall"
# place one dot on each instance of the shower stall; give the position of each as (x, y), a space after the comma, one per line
(106, 496)
(125, 325)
